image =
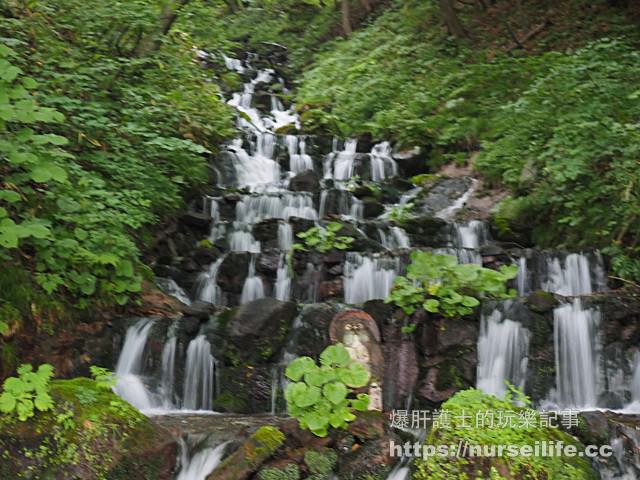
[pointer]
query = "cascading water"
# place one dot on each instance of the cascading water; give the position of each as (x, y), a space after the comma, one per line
(503, 347)
(208, 289)
(577, 349)
(366, 278)
(199, 376)
(382, 163)
(299, 161)
(130, 367)
(196, 462)
(569, 277)
(168, 382)
(253, 287)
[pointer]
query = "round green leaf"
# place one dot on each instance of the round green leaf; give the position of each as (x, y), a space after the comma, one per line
(335, 392)
(335, 355)
(296, 369)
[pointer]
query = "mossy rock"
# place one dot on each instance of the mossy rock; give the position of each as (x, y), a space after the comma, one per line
(250, 456)
(90, 434)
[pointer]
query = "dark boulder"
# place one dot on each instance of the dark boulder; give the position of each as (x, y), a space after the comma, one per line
(306, 181)
(233, 272)
(258, 329)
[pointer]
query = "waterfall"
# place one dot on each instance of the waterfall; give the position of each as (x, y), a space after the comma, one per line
(130, 366)
(299, 161)
(522, 280)
(382, 164)
(339, 165)
(170, 287)
(208, 289)
(503, 347)
(283, 279)
(575, 335)
(366, 278)
(393, 238)
(243, 241)
(199, 376)
(252, 209)
(253, 287)
(570, 277)
(199, 465)
(167, 385)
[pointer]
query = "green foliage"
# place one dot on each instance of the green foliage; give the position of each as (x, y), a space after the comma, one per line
(439, 284)
(401, 213)
(569, 147)
(559, 128)
(28, 392)
(321, 396)
(96, 141)
(104, 378)
(323, 239)
(474, 404)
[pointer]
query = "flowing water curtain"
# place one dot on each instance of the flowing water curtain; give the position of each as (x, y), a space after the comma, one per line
(577, 355)
(503, 349)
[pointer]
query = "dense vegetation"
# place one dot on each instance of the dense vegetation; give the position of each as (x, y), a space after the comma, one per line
(105, 123)
(555, 120)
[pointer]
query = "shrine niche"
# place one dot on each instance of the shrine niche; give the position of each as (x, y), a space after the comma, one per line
(360, 335)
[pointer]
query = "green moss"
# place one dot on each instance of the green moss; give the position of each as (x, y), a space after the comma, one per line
(471, 403)
(90, 433)
(270, 438)
(289, 472)
(321, 464)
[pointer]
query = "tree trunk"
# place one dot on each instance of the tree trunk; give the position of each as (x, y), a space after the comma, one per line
(168, 15)
(346, 18)
(451, 19)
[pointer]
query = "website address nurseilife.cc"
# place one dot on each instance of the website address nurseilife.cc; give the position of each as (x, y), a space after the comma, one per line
(464, 449)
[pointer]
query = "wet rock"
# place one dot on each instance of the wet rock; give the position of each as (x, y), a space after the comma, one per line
(233, 272)
(199, 309)
(427, 231)
(443, 194)
(204, 255)
(268, 262)
(311, 334)
(191, 325)
(306, 181)
(266, 232)
(372, 207)
(331, 289)
(258, 329)
(370, 460)
(257, 449)
(200, 221)
(411, 161)
(541, 302)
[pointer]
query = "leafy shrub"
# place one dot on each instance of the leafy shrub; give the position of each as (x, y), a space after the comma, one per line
(323, 239)
(474, 404)
(28, 392)
(439, 284)
(322, 396)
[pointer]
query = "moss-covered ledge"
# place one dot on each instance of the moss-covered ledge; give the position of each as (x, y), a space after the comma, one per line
(90, 434)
